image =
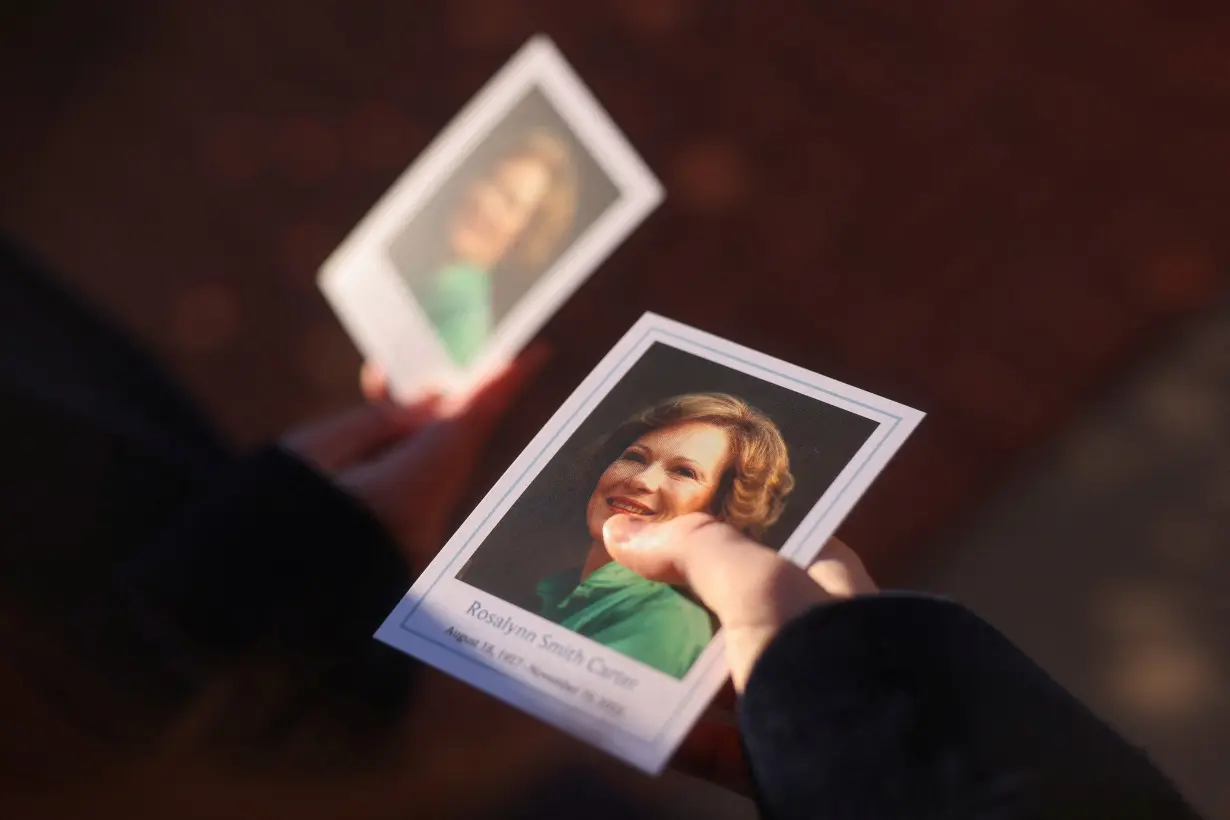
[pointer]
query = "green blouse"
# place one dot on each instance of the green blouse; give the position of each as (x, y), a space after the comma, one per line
(458, 303)
(648, 621)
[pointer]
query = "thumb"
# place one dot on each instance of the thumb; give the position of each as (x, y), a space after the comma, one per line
(653, 551)
(417, 485)
(752, 590)
(355, 434)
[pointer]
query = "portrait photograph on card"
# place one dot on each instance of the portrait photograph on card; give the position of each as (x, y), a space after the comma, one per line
(516, 202)
(499, 223)
(524, 601)
(677, 434)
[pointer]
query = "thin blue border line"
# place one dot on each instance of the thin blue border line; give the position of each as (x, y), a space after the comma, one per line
(794, 379)
(857, 472)
(690, 693)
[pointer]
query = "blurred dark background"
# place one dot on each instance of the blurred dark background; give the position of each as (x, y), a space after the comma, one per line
(1010, 215)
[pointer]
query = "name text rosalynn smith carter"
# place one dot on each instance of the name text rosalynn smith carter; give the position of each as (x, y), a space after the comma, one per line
(573, 654)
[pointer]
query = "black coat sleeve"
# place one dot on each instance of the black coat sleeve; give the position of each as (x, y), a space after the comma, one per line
(273, 558)
(898, 705)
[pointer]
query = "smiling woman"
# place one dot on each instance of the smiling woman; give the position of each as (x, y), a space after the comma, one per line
(516, 209)
(708, 452)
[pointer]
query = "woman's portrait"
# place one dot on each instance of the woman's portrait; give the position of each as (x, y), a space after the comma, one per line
(703, 452)
(498, 224)
(752, 454)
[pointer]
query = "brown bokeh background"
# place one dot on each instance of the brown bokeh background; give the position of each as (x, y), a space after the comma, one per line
(982, 210)
(977, 211)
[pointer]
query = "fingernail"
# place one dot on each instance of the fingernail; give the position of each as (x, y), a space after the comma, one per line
(623, 531)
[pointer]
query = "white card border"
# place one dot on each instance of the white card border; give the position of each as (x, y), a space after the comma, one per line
(651, 755)
(366, 291)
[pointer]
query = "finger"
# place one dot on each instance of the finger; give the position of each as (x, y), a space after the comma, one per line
(373, 383)
(651, 550)
(433, 467)
(488, 400)
(458, 446)
(467, 421)
(840, 572)
(355, 434)
(752, 590)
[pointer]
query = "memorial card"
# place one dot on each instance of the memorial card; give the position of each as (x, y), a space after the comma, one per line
(483, 238)
(524, 603)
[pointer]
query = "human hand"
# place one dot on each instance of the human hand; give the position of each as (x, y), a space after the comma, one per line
(752, 590)
(409, 464)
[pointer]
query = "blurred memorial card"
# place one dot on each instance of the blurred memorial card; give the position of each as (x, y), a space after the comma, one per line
(525, 603)
(495, 225)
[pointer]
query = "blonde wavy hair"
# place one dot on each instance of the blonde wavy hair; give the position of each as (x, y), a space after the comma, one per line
(752, 493)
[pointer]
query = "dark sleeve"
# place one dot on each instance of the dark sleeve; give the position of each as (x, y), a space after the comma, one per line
(274, 557)
(901, 705)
